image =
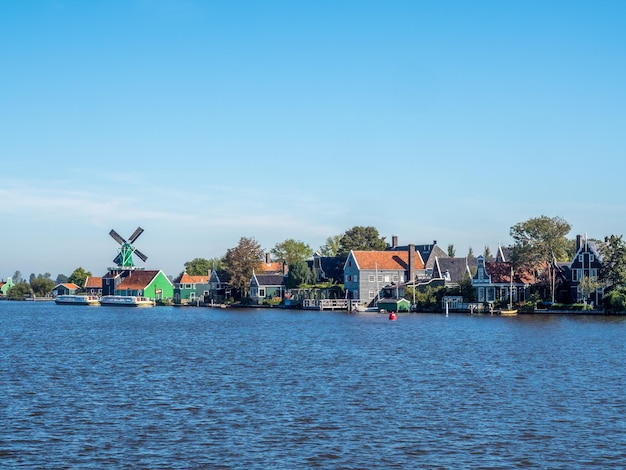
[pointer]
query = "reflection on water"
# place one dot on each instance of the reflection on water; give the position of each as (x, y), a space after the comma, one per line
(194, 387)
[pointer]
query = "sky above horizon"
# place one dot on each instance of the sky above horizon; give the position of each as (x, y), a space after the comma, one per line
(207, 121)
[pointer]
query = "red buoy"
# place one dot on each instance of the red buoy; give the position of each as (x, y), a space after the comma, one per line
(392, 316)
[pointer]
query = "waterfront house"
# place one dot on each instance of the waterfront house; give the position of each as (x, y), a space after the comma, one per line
(219, 291)
(5, 286)
(152, 284)
(367, 272)
(93, 285)
(66, 288)
(188, 288)
(493, 283)
(587, 262)
(267, 287)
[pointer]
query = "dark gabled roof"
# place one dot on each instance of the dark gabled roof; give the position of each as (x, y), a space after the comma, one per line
(455, 267)
(332, 266)
(435, 253)
(270, 279)
(505, 253)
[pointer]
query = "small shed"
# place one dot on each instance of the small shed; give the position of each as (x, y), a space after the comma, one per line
(67, 288)
(394, 305)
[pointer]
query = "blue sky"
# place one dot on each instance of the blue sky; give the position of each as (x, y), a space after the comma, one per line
(206, 121)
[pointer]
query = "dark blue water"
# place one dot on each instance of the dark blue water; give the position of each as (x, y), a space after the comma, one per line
(93, 387)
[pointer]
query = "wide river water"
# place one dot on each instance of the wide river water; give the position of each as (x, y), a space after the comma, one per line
(107, 387)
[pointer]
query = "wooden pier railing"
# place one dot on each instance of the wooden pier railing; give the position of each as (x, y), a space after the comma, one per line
(328, 304)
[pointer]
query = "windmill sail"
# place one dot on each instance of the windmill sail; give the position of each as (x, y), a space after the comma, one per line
(117, 237)
(135, 235)
(124, 258)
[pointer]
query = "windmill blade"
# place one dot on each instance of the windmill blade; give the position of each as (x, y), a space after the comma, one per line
(135, 235)
(116, 237)
(140, 255)
(118, 259)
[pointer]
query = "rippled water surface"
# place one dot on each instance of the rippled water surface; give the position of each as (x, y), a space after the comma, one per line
(94, 387)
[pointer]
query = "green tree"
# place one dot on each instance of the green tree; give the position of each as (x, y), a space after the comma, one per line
(61, 279)
(613, 270)
(299, 274)
(18, 291)
(42, 286)
(17, 278)
(291, 251)
(487, 252)
(615, 301)
(470, 254)
(361, 238)
(451, 251)
(79, 276)
(588, 285)
(198, 267)
(539, 242)
(331, 247)
(217, 264)
(241, 260)
(467, 290)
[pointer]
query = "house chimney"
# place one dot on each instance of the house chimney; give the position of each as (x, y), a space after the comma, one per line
(394, 241)
(268, 258)
(579, 242)
(411, 263)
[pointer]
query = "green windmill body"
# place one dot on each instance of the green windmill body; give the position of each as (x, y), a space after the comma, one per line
(124, 259)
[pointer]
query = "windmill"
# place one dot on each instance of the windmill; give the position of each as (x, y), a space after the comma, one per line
(124, 259)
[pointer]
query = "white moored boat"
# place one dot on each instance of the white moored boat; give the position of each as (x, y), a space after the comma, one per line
(68, 299)
(125, 301)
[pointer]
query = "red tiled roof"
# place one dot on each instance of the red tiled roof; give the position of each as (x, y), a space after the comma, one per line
(274, 266)
(70, 285)
(137, 280)
(386, 260)
(188, 279)
(93, 282)
(500, 273)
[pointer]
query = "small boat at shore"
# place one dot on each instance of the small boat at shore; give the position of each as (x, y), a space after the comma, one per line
(509, 312)
(125, 301)
(75, 299)
(362, 308)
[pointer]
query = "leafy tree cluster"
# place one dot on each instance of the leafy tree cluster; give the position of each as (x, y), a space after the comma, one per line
(241, 261)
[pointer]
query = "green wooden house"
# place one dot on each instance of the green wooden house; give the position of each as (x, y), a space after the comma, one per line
(189, 289)
(5, 286)
(151, 284)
